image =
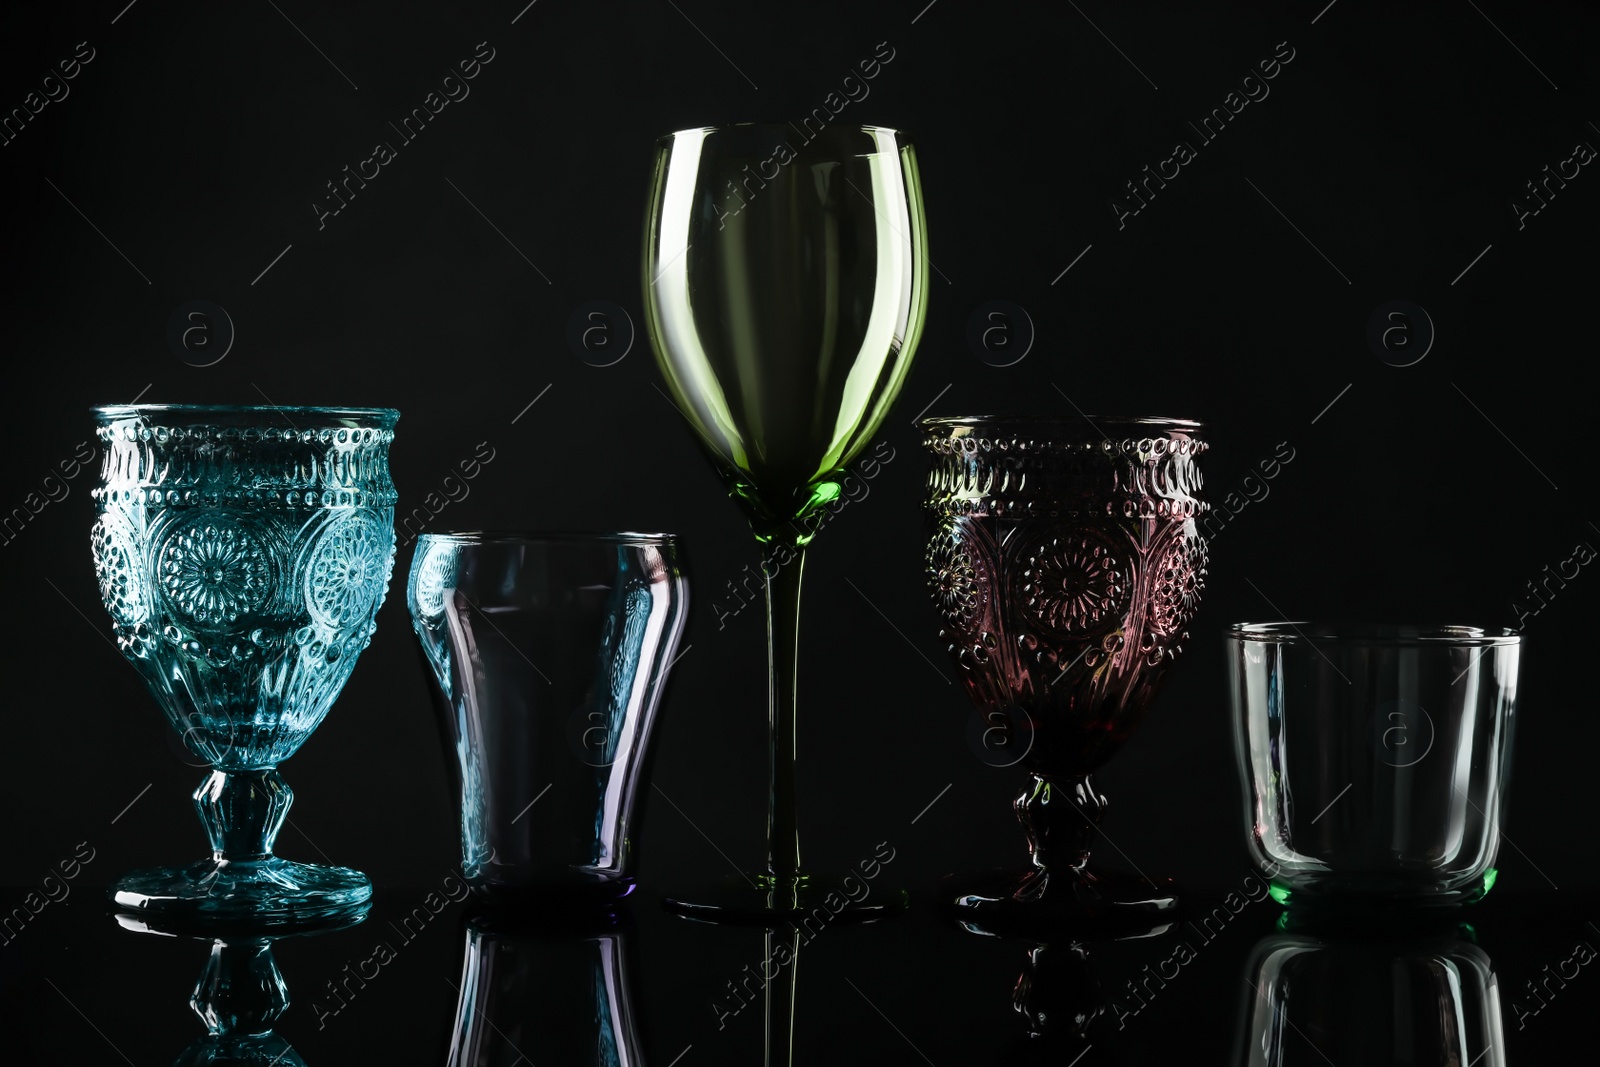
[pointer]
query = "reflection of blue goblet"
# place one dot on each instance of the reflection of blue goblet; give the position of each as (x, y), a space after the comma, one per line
(242, 553)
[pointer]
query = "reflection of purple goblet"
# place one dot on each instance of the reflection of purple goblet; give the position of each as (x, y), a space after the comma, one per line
(1066, 563)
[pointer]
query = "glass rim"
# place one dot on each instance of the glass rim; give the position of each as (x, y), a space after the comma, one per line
(541, 537)
(933, 422)
(902, 137)
(1371, 635)
(386, 416)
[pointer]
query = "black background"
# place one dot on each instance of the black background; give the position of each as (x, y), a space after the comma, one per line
(1383, 162)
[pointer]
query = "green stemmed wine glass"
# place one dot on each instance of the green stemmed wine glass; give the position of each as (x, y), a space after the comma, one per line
(785, 281)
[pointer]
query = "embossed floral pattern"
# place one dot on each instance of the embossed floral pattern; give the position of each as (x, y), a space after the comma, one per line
(349, 569)
(214, 571)
(1178, 580)
(434, 575)
(122, 583)
(957, 577)
(1075, 583)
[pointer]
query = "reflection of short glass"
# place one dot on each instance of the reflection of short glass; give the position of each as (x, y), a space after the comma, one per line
(1419, 1000)
(550, 654)
(560, 991)
(1375, 757)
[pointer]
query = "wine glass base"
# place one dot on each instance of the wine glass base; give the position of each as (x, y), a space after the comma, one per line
(1084, 902)
(807, 901)
(265, 892)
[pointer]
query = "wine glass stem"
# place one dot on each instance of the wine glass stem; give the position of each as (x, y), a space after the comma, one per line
(782, 566)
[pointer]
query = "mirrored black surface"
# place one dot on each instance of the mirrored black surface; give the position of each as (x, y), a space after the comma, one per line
(411, 985)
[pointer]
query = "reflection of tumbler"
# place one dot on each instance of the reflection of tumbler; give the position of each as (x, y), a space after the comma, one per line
(1374, 758)
(1310, 1000)
(550, 654)
(532, 996)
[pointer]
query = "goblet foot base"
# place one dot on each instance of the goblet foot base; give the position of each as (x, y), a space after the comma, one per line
(1086, 902)
(259, 1050)
(762, 899)
(264, 892)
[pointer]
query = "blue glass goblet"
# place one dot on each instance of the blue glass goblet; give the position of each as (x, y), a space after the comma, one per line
(242, 553)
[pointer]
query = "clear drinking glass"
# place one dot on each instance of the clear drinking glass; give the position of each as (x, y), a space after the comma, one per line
(1374, 758)
(549, 655)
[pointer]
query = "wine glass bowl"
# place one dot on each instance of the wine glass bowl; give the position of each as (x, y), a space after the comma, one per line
(785, 294)
(1066, 562)
(785, 287)
(242, 554)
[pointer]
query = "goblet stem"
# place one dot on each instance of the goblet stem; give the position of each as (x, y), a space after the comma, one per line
(243, 812)
(783, 566)
(1061, 817)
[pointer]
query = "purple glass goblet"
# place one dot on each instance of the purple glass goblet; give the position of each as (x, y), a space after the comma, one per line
(1066, 562)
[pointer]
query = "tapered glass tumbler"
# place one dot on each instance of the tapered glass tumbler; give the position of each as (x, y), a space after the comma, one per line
(549, 656)
(1066, 562)
(242, 553)
(1374, 758)
(785, 285)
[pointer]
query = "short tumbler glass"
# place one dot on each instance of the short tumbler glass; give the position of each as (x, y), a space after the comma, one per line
(549, 656)
(1374, 758)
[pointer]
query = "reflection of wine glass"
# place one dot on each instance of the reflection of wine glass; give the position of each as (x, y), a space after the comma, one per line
(241, 994)
(785, 289)
(1066, 563)
(556, 990)
(242, 553)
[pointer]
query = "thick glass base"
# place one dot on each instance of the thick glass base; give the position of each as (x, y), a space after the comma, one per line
(806, 900)
(1374, 893)
(262, 892)
(1038, 902)
(593, 895)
